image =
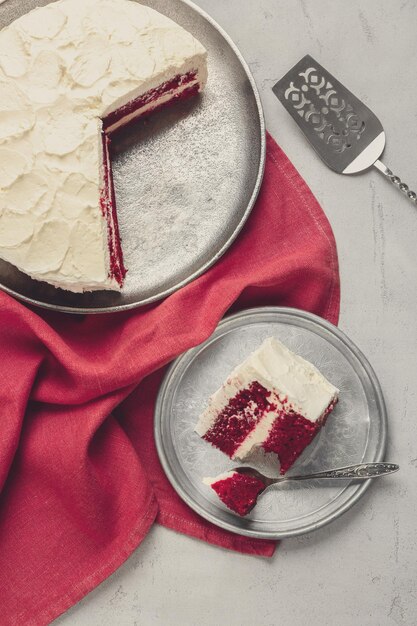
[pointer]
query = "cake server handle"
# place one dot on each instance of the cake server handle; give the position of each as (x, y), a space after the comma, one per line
(363, 471)
(396, 180)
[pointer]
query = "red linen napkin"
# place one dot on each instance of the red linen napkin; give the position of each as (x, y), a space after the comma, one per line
(79, 476)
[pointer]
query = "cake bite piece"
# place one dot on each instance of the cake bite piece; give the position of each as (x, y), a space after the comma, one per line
(239, 492)
(274, 400)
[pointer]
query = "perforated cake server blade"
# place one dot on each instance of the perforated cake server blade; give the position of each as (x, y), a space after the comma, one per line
(343, 131)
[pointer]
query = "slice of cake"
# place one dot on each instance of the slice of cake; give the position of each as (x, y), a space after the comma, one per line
(238, 492)
(71, 74)
(274, 400)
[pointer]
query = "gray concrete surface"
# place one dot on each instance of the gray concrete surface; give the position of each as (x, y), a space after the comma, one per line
(362, 569)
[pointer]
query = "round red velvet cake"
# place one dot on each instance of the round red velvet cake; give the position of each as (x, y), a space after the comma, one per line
(72, 73)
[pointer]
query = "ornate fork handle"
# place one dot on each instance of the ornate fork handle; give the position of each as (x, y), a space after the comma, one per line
(363, 471)
(396, 180)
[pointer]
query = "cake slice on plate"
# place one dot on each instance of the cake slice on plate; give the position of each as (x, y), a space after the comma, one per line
(274, 400)
(71, 74)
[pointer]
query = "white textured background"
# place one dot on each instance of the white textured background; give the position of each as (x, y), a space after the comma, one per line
(362, 569)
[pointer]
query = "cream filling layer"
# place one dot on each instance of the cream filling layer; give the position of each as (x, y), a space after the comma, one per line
(166, 97)
(256, 437)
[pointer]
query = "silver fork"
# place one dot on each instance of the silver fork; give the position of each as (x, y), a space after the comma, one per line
(362, 471)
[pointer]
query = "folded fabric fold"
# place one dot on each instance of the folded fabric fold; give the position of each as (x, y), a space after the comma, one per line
(80, 480)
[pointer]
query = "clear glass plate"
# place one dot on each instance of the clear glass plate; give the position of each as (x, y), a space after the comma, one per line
(355, 431)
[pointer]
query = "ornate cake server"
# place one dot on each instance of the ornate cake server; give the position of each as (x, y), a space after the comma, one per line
(344, 132)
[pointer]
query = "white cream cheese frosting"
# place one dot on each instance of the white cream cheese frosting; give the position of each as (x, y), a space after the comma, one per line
(63, 68)
(291, 380)
(209, 480)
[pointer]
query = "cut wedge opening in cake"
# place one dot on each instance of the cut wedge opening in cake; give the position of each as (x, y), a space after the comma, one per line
(180, 88)
(73, 73)
(275, 401)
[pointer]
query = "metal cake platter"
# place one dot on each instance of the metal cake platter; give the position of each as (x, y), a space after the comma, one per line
(355, 431)
(186, 179)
